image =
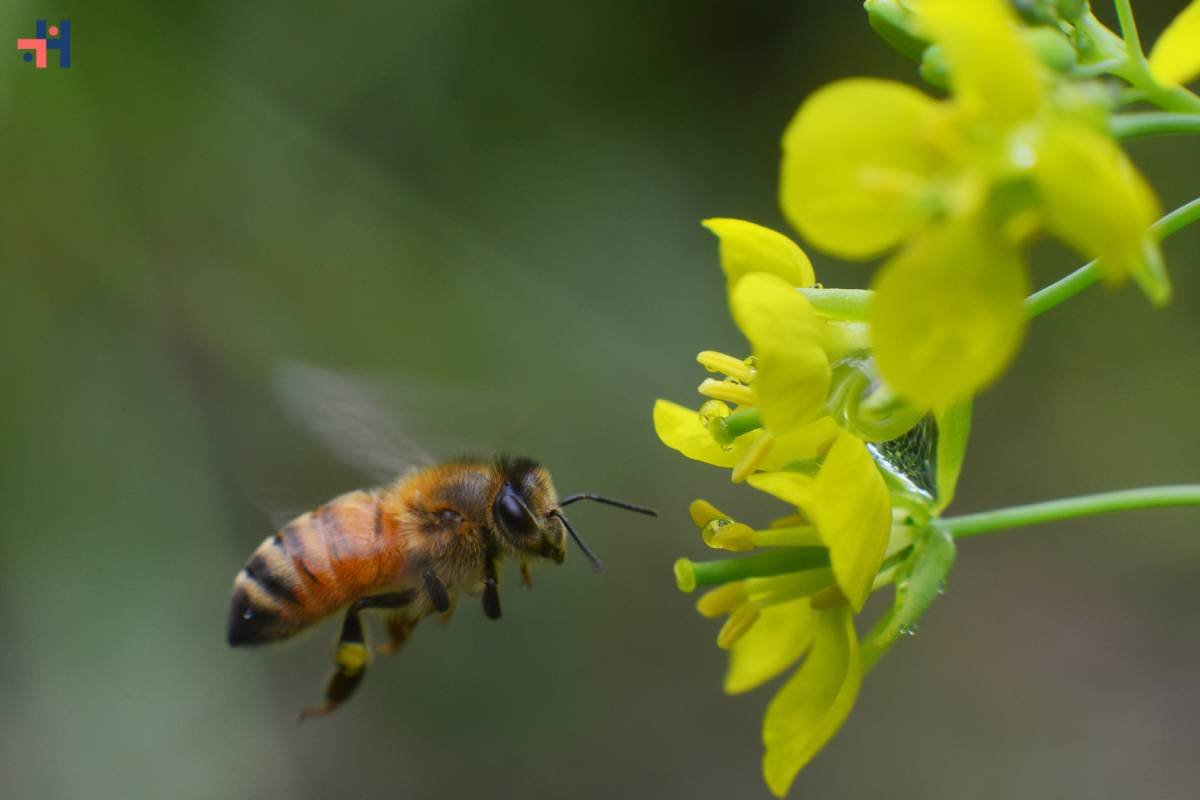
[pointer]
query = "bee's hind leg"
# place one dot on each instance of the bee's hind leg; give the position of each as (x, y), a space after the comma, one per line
(351, 655)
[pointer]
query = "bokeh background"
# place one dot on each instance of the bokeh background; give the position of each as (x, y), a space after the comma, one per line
(492, 211)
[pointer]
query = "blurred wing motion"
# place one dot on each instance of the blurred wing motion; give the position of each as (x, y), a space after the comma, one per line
(345, 416)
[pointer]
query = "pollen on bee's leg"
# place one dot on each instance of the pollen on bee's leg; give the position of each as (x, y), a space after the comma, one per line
(737, 368)
(351, 657)
(729, 391)
(754, 456)
(740, 621)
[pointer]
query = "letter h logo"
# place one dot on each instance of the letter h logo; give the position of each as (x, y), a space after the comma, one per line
(53, 37)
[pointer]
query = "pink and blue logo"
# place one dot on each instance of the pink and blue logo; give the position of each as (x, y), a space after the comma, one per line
(47, 38)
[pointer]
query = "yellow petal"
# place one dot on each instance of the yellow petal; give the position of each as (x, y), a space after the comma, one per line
(1176, 55)
(801, 444)
(785, 333)
(947, 315)
(746, 247)
(680, 429)
(993, 70)
(780, 636)
(853, 513)
(849, 504)
(1093, 197)
(790, 487)
(856, 163)
(814, 702)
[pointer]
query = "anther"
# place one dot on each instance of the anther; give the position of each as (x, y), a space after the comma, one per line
(703, 512)
(755, 454)
(722, 534)
(722, 600)
(733, 367)
(730, 391)
(740, 621)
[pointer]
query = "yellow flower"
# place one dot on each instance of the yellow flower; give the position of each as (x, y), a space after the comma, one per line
(784, 604)
(960, 185)
(803, 399)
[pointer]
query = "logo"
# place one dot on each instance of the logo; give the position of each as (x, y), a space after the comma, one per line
(53, 37)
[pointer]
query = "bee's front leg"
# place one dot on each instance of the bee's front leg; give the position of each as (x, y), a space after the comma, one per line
(351, 655)
(435, 590)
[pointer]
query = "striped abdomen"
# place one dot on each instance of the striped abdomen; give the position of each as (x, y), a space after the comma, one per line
(316, 564)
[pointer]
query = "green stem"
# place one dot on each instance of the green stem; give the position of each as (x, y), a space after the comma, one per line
(1136, 126)
(1071, 507)
(1067, 287)
(1129, 31)
(1123, 57)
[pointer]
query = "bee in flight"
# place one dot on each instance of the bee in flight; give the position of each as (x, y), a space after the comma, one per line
(410, 548)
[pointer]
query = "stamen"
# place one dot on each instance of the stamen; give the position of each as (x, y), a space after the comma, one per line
(730, 391)
(713, 361)
(739, 622)
(755, 454)
(766, 592)
(723, 534)
(722, 600)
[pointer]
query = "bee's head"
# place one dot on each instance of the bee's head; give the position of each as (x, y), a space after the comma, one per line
(524, 510)
(528, 513)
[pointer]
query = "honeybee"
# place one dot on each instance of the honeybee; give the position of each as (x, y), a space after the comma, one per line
(410, 548)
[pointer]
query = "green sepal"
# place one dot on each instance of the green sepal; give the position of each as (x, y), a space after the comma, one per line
(897, 26)
(922, 578)
(953, 431)
(1052, 47)
(934, 69)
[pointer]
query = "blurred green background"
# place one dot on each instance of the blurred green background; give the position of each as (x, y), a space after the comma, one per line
(495, 207)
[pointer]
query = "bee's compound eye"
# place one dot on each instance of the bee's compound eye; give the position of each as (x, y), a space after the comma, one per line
(513, 514)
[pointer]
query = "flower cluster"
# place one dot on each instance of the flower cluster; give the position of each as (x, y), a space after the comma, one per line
(853, 407)
(806, 426)
(956, 187)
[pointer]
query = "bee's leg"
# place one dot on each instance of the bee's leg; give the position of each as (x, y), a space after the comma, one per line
(351, 656)
(491, 589)
(448, 614)
(439, 598)
(526, 578)
(400, 627)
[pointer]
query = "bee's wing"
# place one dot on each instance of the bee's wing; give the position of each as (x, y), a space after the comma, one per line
(346, 416)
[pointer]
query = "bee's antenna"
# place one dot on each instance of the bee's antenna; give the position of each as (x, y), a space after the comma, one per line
(588, 554)
(571, 498)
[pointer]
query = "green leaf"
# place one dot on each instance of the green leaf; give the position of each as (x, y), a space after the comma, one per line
(923, 580)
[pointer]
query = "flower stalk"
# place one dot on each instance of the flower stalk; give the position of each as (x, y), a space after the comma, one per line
(1002, 519)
